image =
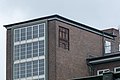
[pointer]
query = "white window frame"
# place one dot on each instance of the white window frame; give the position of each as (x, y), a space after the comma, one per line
(119, 47)
(115, 70)
(26, 41)
(107, 45)
(103, 71)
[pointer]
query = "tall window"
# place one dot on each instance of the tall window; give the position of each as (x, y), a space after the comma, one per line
(29, 69)
(107, 47)
(17, 35)
(16, 52)
(23, 34)
(22, 70)
(16, 71)
(29, 53)
(35, 31)
(64, 37)
(23, 51)
(41, 30)
(29, 50)
(29, 32)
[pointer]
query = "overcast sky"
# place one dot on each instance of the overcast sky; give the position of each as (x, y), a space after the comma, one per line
(100, 14)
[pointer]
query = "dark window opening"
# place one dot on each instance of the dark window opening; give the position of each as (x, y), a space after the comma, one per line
(63, 37)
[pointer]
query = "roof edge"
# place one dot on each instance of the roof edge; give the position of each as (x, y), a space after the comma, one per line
(63, 18)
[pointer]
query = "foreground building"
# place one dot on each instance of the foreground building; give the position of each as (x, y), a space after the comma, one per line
(56, 48)
(105, 76)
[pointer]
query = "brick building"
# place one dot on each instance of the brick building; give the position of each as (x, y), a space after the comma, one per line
(57, 48)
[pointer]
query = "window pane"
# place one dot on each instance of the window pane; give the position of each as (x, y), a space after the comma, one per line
(107, 47)
(22, 70)
(16, 35)
(35, 49)
(23, 52)
(35, 68)
(41, 67)
(41, 30)
(29, 50)
(35, 31)
(29, 69)
(16, 52)
(16, 71)
(23, 34)
(41, 48)
(29, 33)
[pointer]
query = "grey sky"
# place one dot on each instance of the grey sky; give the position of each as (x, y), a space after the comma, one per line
(100, 14)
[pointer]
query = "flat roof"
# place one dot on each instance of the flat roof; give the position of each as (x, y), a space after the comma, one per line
(58, 17)
(96, 77)
(103, 59)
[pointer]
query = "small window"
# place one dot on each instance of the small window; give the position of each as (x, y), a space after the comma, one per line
(119, 47)
(117, 70)
(107, 47)
(64, 37)
(100, 72)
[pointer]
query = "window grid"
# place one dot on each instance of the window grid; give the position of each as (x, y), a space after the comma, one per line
(30, 32)
(29, 69)
(24, 49)
(29, 50)
(63, 37)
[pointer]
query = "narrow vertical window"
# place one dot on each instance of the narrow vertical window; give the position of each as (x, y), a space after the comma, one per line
(41, 30)
(41, 67)
(29, 33)
(35, 49)
(41, 48)
(23, 51)
(35, 31)
(22, 70)
(16, 52)
(35, 68)
(16, 35)
(29, 69)
(23, 34)
(107, 47)
(64, 37)
(16, 71)
(29, 50)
